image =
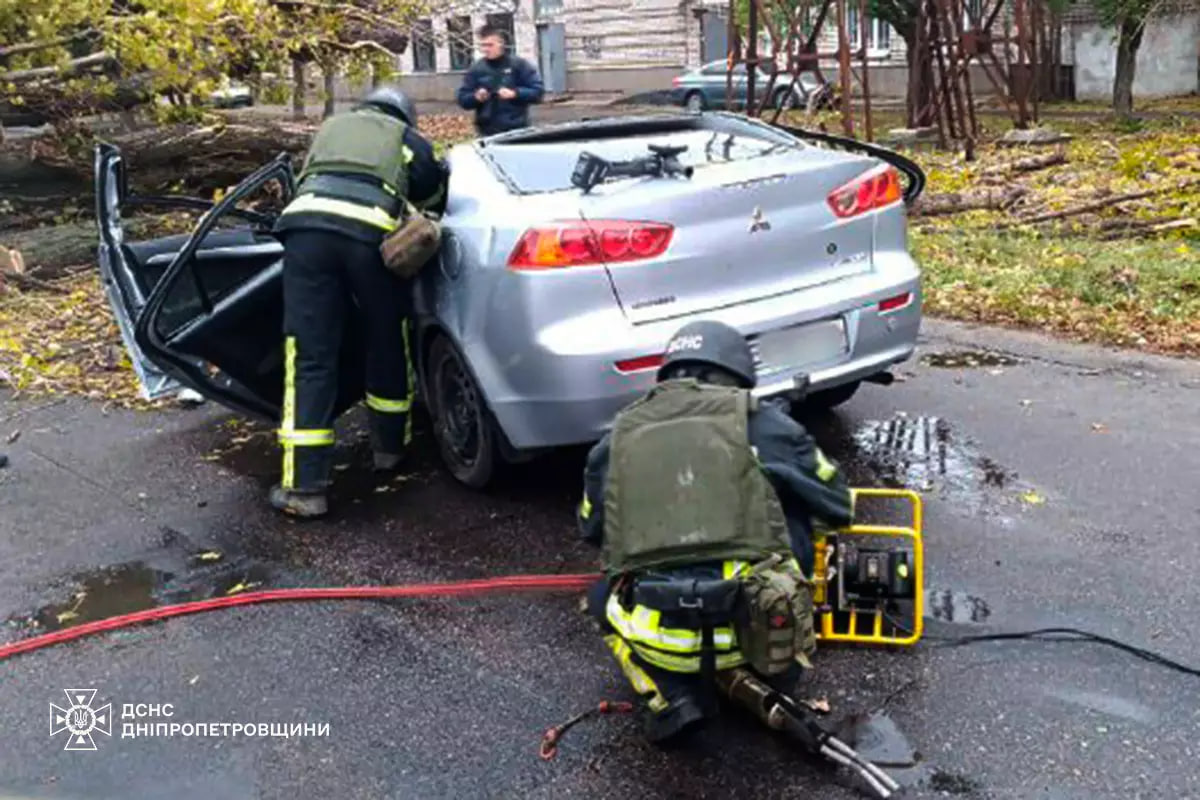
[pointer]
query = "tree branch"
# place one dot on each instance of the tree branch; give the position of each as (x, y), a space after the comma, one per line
(73, 67)
(32, 47)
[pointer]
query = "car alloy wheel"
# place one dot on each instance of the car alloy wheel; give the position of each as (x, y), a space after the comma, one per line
(695, 102)
(461, 423)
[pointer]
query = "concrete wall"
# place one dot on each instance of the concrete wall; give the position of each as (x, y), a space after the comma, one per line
(1168, 62)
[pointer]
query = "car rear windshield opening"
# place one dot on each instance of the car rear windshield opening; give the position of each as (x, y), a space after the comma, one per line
(542, 161)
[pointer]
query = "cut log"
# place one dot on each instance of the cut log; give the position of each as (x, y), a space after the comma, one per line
(1030, 164)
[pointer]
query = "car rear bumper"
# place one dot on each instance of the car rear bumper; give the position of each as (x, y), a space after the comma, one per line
(568, 389)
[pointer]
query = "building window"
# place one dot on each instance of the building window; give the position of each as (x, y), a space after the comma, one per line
(424, 52)
(461, 42)
(543, 7)
(503, 22)
(879, 33)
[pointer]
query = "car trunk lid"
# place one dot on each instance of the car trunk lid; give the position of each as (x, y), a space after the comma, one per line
(744, 229)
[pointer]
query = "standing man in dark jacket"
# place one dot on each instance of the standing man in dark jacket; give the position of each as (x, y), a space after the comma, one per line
(689, 488)
(499, 87)
(360, 167)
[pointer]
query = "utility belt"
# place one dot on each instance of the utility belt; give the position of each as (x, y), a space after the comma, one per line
(368, 192)
(760, 614)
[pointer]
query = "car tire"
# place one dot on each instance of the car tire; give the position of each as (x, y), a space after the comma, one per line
(832, 397)
(694, 101)
(784, 100)
(462, 424)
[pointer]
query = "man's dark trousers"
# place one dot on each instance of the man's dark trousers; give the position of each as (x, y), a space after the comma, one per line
(327, 276)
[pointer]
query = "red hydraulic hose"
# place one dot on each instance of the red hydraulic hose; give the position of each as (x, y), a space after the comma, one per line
(509, 583)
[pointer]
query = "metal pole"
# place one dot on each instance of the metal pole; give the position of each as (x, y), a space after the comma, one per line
(866, 82)
(844, 68)
(752, 59)
(729, 59)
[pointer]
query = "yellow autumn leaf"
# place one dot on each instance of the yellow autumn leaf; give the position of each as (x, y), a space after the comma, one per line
(1033, 498)
(65, 616)
(209, 555)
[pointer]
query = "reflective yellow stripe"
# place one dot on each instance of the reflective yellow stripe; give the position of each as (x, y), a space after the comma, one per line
(412, 380)
(685, 663)
(825, 468)
(387, 406)
(585, 507)
(307, 438)
(644, 625)
(407, 154)
(342, 208)
(289, 411)
(638, 678)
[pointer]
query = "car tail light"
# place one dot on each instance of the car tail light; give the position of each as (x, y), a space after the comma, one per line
(893, 303)
(875, 189)
(577, 244)
(676, 81)
(640, 363)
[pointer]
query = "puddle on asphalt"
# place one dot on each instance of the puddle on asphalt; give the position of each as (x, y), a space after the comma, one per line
(878, 738)
(968, 359)
(923, 453)
(947, 605)
(126, 588)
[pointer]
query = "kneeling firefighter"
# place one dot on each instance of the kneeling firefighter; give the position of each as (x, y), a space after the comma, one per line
(365, 170)
(705, 502)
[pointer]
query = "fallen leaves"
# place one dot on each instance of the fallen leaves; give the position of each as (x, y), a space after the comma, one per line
(66, 344)
(1031, 497)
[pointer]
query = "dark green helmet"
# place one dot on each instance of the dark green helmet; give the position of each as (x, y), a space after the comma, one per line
(709, 343)
(391, 100)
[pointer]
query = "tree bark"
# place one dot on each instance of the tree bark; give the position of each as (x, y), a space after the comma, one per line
(329, 71)
(1127, 47)
(918, 105)
(299, 88)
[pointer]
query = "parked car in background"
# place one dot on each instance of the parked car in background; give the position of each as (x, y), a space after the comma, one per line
(704, 88)
(549, 309)
(232, 95)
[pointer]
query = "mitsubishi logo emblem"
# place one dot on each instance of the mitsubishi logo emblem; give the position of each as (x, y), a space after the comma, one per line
(758, 222)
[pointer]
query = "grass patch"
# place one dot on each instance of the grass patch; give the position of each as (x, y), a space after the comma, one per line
(1143, 294)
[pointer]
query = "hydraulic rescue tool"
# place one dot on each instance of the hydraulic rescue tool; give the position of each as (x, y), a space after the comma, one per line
(591, 170)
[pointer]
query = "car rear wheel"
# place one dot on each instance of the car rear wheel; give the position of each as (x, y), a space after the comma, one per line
(785, 100)
(694, 101)
(461, 423)
(830, 398)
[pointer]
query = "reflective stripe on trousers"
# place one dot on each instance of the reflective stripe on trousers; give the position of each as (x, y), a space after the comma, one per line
(289, 436)
(638, 678)
(388, 405)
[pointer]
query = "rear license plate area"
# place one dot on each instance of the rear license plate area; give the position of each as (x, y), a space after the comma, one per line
(799, 346)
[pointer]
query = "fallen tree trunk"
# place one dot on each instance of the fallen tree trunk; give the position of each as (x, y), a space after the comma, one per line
(932, 205)
(202, 158)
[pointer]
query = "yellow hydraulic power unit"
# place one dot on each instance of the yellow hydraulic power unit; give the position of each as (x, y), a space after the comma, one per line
(869, 578)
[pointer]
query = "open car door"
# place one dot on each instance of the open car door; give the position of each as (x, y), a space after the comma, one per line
(205, 310)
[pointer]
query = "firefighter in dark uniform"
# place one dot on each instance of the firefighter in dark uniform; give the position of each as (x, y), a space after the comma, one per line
(360, 168)
(697, 482)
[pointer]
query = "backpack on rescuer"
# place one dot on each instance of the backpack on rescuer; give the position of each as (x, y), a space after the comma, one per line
(684, 487)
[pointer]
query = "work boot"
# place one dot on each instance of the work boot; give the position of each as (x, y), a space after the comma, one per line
(388, 462)
(682, 716)
(306, 503)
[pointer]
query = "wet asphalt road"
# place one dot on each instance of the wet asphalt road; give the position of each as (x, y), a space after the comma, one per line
(448, 698)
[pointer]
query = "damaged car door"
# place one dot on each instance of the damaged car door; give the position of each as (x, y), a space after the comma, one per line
(205, 309)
